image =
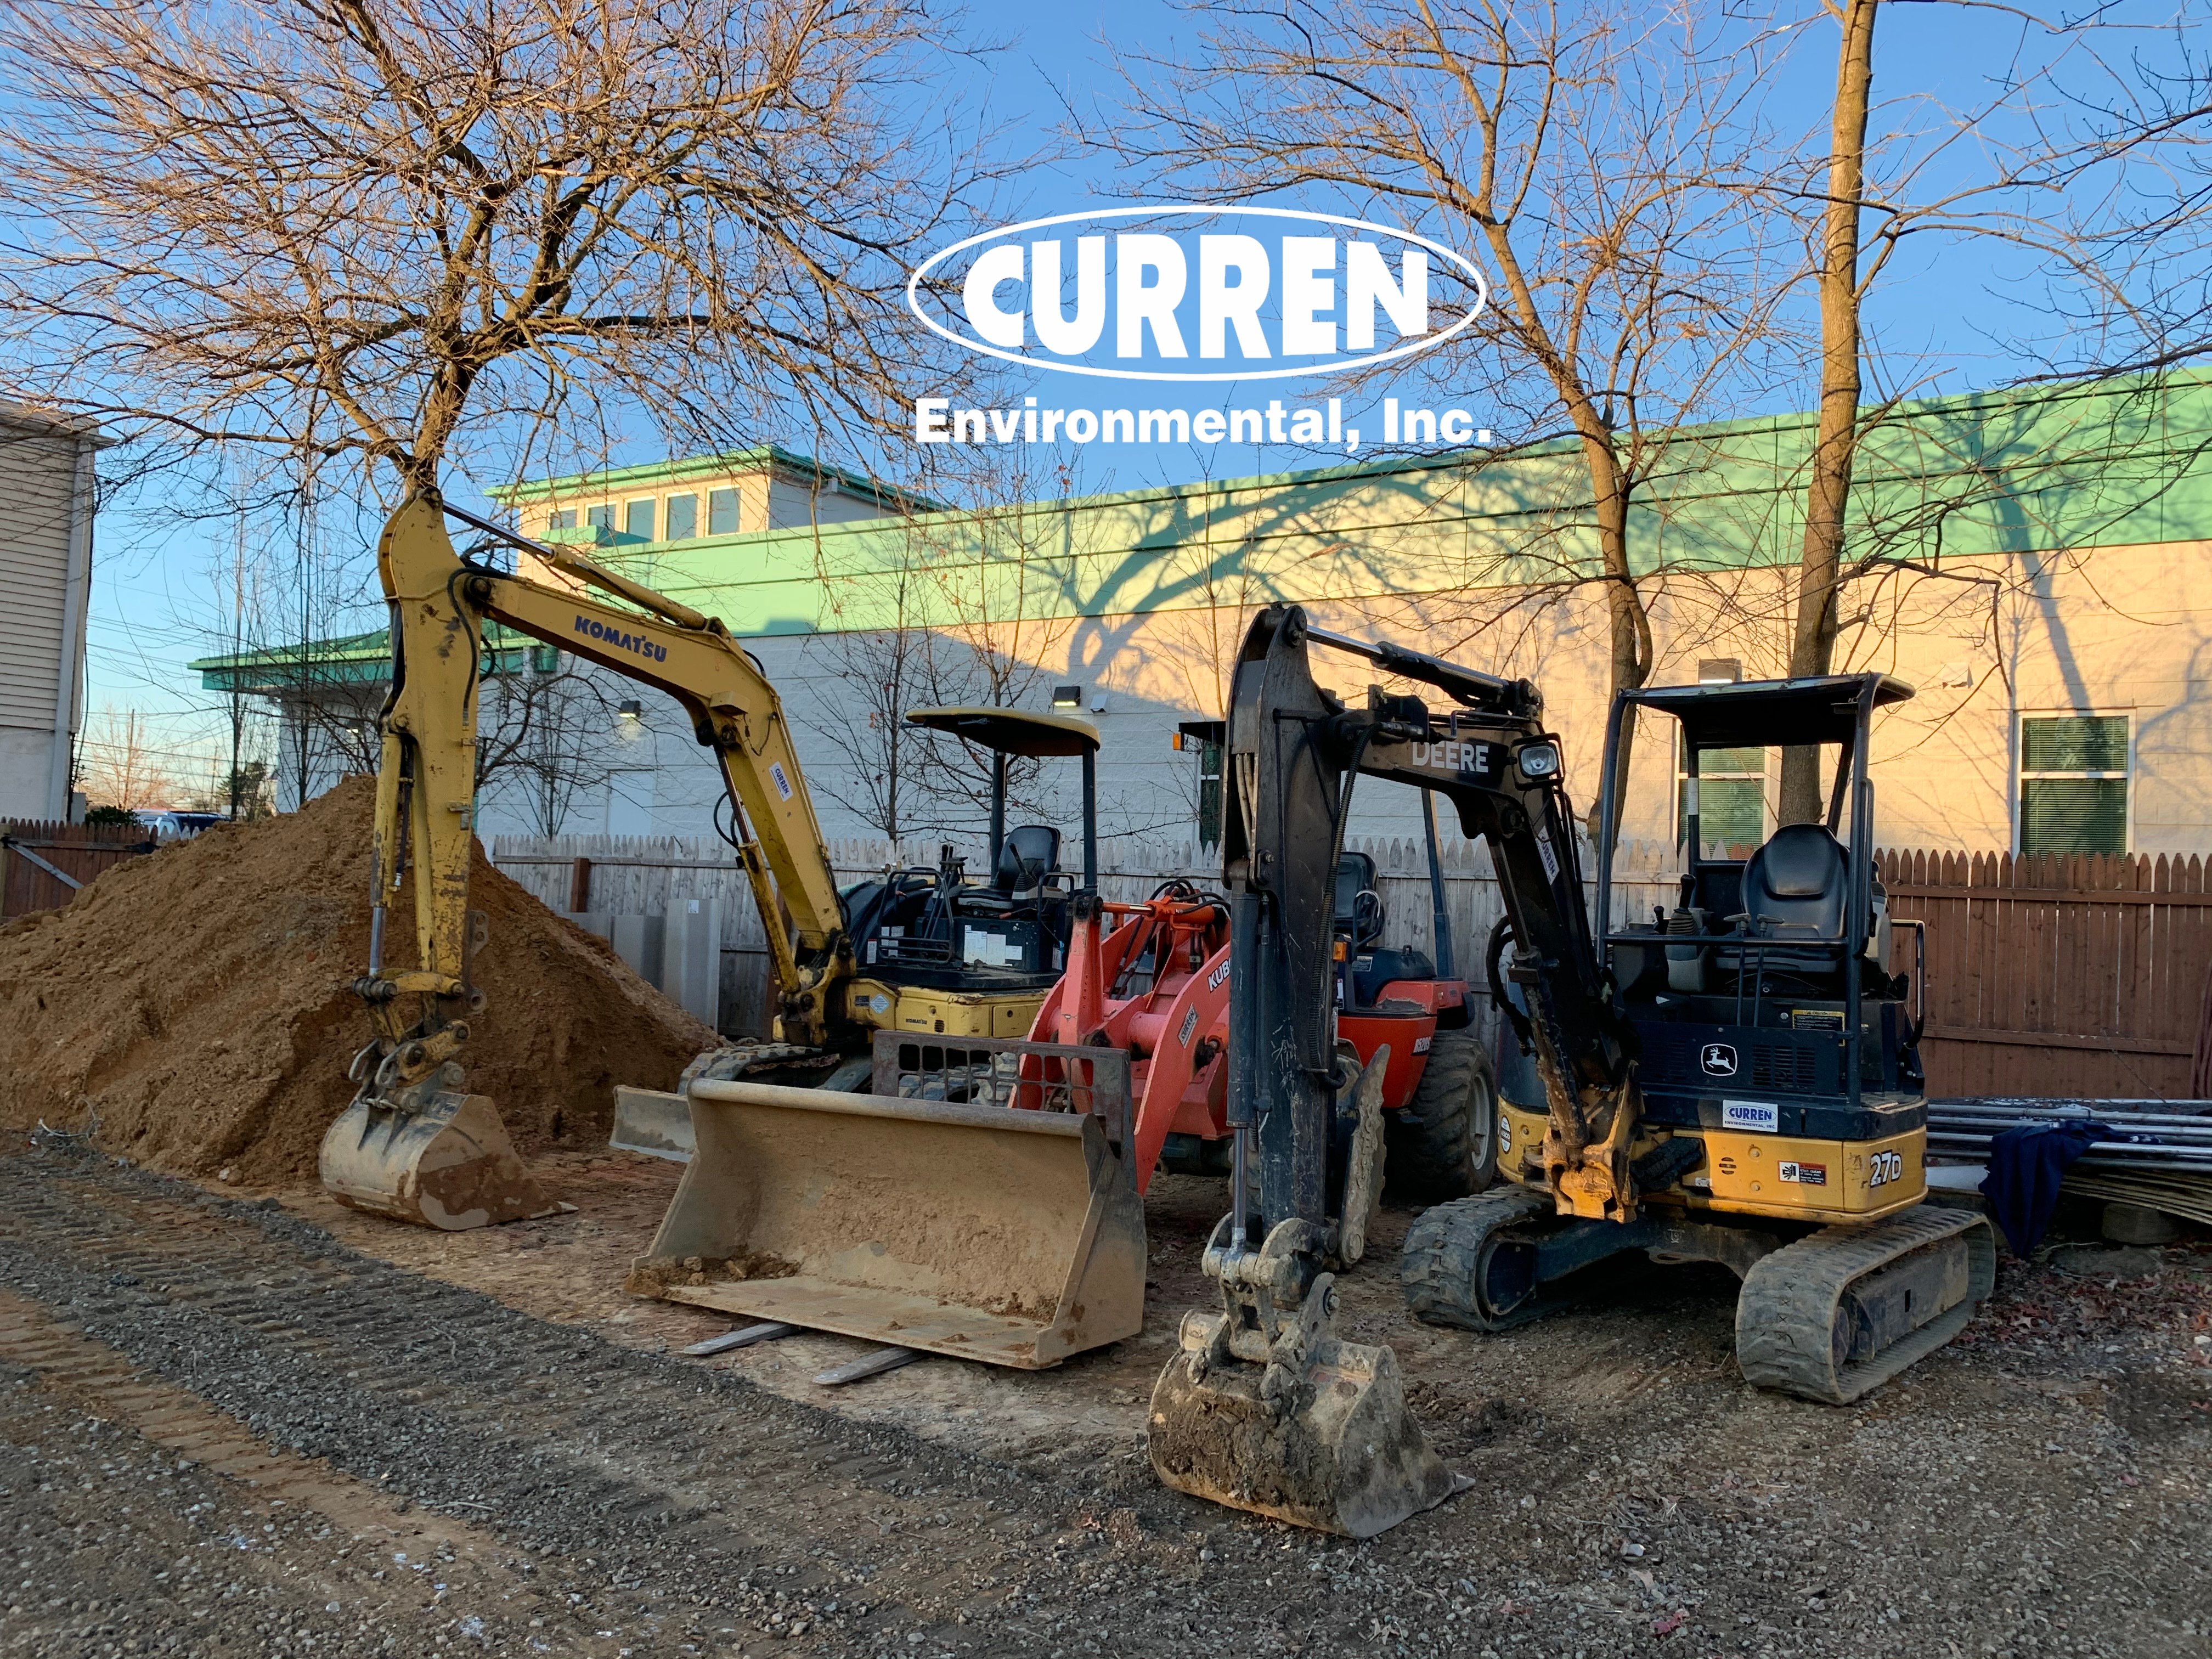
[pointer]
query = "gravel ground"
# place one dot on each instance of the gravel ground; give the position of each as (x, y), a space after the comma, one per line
(224, 1430)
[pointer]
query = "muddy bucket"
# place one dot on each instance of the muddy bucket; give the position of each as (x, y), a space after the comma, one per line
(436, 1156)
(1265, 1408)
(989, 1232)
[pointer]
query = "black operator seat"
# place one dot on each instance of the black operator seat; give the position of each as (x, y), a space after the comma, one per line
(1359, 918)
(1361, 923)
(1796, 887)
(1031, 853)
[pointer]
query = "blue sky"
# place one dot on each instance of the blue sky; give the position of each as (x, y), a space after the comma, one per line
(1948, 319)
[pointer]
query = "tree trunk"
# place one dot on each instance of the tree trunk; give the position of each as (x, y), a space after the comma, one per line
(1813, 641)
(1629, 658)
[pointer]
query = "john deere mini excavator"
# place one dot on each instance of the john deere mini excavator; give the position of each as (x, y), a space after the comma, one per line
(1809, 1185)
(928, 950)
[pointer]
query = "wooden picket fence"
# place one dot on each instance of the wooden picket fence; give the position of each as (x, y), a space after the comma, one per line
(2051, 977)
(2068, 977)
(640, 875)
(78, 851)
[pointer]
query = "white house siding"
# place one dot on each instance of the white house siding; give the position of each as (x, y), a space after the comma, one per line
(46, 566)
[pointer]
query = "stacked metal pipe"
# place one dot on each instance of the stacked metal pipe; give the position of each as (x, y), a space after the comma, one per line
(2160, 1156)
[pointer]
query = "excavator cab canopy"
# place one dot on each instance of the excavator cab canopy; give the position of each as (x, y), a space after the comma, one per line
(1743, 714)
(1020, 733)
(1777, 948)
(1012, 730)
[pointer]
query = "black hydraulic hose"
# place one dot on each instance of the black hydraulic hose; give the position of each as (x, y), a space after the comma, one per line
(1524, 1030)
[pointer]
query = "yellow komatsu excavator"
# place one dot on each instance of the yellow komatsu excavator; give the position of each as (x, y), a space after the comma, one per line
(932, 953)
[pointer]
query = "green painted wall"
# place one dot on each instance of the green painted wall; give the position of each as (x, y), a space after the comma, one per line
(2100, 463)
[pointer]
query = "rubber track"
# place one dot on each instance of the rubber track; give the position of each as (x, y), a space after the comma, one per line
(1786, 1316)
(1443, 1248)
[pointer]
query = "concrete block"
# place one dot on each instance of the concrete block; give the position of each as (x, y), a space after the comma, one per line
(2135, 1224)
(639, 941)
(694, 956)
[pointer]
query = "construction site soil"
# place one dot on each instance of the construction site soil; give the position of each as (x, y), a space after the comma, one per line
(257, 1423)
(237, 1419)
(192, 1008)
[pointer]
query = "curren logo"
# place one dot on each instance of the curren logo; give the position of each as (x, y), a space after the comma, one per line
(1719, 1060)
(1197, 292)
(1757, 1115)
(622, 641)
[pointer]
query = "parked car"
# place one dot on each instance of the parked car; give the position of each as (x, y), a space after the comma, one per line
(176, 826)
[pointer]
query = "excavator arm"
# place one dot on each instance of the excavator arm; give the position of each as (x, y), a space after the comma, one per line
(379, 1153)
(1265, 1408)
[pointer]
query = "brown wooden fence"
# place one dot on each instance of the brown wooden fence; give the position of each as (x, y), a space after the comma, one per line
(2082, 975)
(31, 853)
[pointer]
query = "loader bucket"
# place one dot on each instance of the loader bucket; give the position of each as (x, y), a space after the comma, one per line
(1326, 1441)
(438, 1158)
(653, 1122)
(1011, 1236)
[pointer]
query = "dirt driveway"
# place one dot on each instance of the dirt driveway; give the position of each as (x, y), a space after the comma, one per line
(230, 1425)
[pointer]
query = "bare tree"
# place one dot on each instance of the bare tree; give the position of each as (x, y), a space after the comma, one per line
(118, 764)
(2000, 174)
(1588, 152)
(544, 736)
(399, 233)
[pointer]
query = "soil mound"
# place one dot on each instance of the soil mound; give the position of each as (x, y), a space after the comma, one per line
(196, 1002)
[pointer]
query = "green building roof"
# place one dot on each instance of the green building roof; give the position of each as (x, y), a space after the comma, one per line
(2091, 464)
(656, 474)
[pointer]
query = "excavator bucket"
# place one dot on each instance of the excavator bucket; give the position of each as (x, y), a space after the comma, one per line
(431, 1155)
(1336, 1450)
(1265, 1408)
(963, 1226)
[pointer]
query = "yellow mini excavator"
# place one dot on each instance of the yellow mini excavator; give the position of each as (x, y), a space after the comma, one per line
(930, 952)
(1735, 1083)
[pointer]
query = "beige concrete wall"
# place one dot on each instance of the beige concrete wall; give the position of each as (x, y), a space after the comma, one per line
(2115, 631)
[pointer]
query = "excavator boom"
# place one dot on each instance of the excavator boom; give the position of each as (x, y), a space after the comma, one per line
(414, 1143)
(1265, 1407)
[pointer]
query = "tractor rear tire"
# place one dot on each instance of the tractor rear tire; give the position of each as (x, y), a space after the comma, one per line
(1444, 1143)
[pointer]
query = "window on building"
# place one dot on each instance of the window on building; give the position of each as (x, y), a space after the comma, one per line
(564, 520)
(1191, 741)
(599, 518)
(721, 513)
(683, 517)
(1731, 797)
(637, 520)
(2074, 783)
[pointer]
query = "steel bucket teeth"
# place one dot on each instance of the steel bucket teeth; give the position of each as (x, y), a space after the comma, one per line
(1325, 1442)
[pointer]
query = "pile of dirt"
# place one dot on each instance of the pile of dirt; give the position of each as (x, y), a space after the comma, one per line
(196, 1002)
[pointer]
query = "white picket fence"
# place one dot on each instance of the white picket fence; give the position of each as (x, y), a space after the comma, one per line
(654, 875)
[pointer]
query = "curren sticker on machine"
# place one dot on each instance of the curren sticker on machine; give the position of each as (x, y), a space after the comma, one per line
(1758, 1114)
